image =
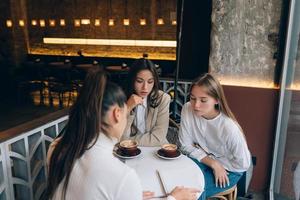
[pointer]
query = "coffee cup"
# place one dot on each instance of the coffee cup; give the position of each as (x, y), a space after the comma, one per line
(128, 147)
(169, 150)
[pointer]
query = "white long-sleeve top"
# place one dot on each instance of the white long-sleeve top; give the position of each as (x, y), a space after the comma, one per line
(140, 120)
(99, 175)
(220, 138)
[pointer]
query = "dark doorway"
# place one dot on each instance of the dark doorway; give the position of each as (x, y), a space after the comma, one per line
(195, 42)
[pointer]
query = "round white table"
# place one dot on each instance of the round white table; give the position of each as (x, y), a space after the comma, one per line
(161, 176)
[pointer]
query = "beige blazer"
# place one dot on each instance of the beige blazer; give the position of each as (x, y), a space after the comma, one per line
(157, 123)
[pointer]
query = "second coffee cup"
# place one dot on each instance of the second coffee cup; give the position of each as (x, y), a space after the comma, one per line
(169, 150)
(129, 147)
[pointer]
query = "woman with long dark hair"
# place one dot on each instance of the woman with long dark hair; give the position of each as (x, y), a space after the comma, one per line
(148, 107)
(81, 160)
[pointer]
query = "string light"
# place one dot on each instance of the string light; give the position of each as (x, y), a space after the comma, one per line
(111, 22)
(85, 21)
(42, 23)
(62, 22)
(9, 23)
(33, 22)
(160, 21)
(126, 22)
(51, 22)
(97, 22)
(21, 23)
(76, 22)
(143, 22)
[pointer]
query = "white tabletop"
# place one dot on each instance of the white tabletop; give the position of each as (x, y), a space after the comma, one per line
(183, 171)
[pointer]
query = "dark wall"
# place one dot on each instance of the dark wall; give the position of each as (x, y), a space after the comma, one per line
(5, 51)
(103, 10)
(256, 111)
(195, 43)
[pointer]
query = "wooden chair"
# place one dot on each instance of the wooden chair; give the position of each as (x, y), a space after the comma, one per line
(230, 194)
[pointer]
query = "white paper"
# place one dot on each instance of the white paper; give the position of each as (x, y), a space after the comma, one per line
(186, 177)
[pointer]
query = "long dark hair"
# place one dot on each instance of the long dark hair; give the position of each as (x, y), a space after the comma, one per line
(86, 120)
(154, 98)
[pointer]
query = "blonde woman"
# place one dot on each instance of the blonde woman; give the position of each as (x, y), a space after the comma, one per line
(211, 136)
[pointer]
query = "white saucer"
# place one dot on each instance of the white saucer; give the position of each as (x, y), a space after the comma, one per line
(160, 155)
(116, 152)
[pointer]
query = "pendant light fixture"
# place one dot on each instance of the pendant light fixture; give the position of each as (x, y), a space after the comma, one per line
(111, 21)
(126, 21)
(160, 20)
(143, 20)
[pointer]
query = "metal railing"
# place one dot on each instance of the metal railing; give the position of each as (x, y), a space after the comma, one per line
(23, 171)
(182, 95)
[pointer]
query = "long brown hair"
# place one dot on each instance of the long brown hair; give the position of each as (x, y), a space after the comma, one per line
(215, 90)
(86, 120)
(154, 98)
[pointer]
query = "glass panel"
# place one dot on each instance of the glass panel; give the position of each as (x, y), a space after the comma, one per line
(32, 140)
(18, 147)
(39, 184)
(36, 161)
(19, 169)
(47, 145)
(61, 125)
(287, 176)
(21, 192)
(51, 131)
(3, 195)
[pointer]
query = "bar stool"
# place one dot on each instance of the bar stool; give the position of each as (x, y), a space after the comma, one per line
(229, 194)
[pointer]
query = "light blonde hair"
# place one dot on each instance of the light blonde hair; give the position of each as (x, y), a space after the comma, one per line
(215, 90)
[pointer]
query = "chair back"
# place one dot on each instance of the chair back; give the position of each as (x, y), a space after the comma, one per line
(173, 131)
(229, 194)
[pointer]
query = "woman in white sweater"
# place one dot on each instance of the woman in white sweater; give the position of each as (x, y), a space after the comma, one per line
(81, 161)
(211, 136)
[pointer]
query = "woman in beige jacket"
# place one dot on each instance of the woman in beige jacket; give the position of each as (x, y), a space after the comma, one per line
(148, 116)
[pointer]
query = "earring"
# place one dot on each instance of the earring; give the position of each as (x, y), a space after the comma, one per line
(217, 106)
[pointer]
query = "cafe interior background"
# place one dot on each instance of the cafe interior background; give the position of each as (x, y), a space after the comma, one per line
(251, 46)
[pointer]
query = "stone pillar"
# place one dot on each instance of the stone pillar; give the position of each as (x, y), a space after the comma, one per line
(242, 49)
(19, 35)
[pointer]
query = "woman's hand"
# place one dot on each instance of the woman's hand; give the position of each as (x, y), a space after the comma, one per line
(182, 193)
(133, 101)
(221, 177)
(147, 195)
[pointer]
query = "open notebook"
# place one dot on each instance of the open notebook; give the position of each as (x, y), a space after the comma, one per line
(170, 178)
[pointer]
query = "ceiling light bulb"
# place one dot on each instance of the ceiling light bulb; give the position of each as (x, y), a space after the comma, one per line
(62, 22)
(126, 22)
(160, 21)
(111, 22)
(143, 22)
(97, 22)
(9, 23)
(21, 22)
(52, 22)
